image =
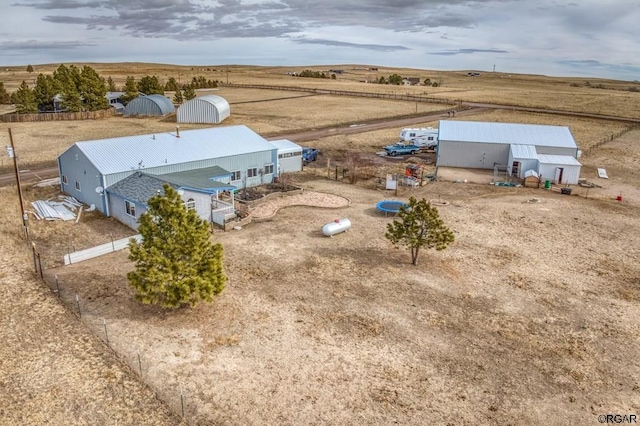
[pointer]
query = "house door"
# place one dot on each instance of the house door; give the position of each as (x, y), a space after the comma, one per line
(559, 172)
(515, 168)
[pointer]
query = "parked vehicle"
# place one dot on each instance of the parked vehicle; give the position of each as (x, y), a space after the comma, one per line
(425, 138)
(401, 149)
(309, 155)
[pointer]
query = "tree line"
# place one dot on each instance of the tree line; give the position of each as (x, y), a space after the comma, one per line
(75, 89)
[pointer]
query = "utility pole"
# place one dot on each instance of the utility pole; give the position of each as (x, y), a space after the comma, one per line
(12, 153)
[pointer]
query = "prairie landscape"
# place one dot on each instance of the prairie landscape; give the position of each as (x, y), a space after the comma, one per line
(531, 315)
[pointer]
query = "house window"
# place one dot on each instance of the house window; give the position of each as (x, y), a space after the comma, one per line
(78, 186)
(64, 179)
(190, 204)
(253, 172)
(130, 208)
(235, 175)
(268, 169)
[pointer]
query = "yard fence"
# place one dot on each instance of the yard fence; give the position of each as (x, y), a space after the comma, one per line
(611, 138)
(116, 338)
(57, 116)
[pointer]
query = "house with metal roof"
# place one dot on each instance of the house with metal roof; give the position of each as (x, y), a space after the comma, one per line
(289, 156)
(207, 164)
(151, 105)
(550, 151)
(204, 109)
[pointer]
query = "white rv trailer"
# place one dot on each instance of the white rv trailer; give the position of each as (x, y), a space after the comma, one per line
(425, 138)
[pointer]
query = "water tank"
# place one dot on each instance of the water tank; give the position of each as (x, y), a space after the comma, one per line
(337, 226)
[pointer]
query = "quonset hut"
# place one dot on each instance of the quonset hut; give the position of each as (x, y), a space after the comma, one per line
(208, 109)
(152, 105)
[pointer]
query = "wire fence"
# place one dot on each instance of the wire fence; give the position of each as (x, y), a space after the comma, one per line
(133, 357)
(611, 138)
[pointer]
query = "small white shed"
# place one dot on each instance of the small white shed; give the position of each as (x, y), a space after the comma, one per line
(559, 169)
(289, 156)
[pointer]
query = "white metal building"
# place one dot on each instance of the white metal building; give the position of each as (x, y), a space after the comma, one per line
(89, 168)
(204, 109)
(289, 156)
(516, 147)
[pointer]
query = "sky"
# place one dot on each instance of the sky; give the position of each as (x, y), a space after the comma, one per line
(582, 38)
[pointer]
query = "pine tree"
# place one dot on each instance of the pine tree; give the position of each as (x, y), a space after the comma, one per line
(130, 90)
(44, 92)
(29, 68)
(25, 100)
(111, 86)
(93, 91)
(188, 92)
(5, 98)
(150, 85)
(171, 85)
(177, 98)
(176, 264)
(419, 225)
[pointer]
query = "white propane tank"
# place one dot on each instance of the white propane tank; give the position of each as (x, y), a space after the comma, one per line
(337, 226)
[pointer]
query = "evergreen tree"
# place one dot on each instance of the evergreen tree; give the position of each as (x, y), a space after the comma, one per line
(150, 85)
(188, 92)
(171, 85)
(130, 90)
(177, 98)
(93, 91)
(176, 263)
(419, 225)
(5, 98)
(25, 100)
(71, 99)
(111, 86)
(29, 68)
(395, 79)
(61, 78)
(44, 92)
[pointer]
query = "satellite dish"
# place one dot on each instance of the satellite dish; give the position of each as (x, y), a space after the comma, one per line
(99, 189)
(181, 192)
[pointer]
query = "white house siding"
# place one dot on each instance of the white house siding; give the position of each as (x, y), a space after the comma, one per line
(524, 154)
(289, 162)
(202, 201)
(476, 155)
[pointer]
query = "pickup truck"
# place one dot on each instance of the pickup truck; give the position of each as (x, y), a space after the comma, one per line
(401, 149)
(309, 155)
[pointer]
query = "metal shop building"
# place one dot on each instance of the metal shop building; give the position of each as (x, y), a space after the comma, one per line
(550, 151)
(206, 165)
(204, 109)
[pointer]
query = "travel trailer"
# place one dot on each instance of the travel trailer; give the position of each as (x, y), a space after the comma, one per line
(425, 138)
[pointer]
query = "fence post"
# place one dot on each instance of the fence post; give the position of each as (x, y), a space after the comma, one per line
(182, 402)
(35, 261)
(106, 335)
(57, 287)
(78, 304)
(40, 266)
(139, 363)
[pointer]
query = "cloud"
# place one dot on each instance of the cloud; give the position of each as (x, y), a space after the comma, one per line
(377, 47)
(467, 51)
(39, 45)
(593, 67)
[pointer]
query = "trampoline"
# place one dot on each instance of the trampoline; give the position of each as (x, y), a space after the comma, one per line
(390, 206)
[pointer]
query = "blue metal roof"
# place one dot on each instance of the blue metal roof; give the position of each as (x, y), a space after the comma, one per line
(144, 151)
(506, 133)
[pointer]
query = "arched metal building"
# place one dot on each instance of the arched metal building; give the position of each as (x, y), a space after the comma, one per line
(204, 109)
(152, 105)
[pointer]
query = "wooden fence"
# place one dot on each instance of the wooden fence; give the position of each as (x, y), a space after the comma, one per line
(395, 96)
(57, 116)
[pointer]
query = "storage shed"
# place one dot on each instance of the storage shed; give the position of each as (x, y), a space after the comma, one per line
(204, 109)
(89, 168)
(515, 147)
(289, 156)
(152, 105)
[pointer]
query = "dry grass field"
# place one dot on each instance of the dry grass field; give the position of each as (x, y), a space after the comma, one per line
(532, 315)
